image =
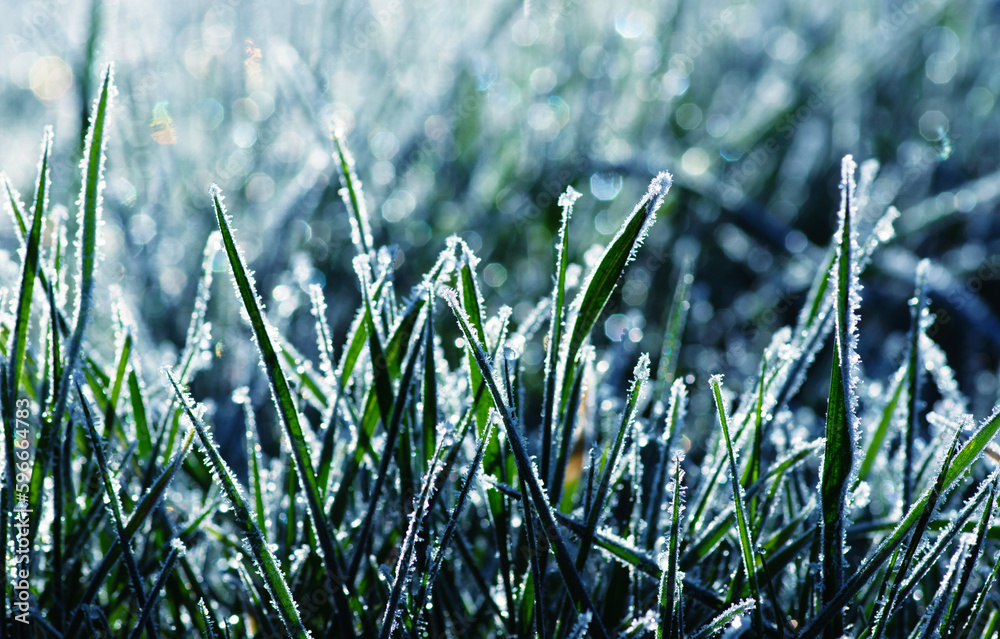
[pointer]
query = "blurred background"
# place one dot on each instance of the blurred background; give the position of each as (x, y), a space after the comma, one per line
(471, 119)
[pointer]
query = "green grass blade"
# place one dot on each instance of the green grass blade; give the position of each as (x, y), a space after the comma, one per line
(882, 430)
(556, 320)
(265, 561)
(838, 456)
(742, 526)
(89, 222)
(242, 396)
(29, 271)
(596, 291)
(671, 602)
(285, 403)
(571, 577)
(354, 198)
(639, 378)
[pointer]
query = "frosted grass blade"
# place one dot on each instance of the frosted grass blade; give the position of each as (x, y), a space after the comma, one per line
(841, 418)
(742, 525)
(725, 618)
(265, 561)
(594, 295)
(673, 419)
(89, 222)
(671, 600)
(566, 201)
(284, 402)
(639, 378)
(354, 198)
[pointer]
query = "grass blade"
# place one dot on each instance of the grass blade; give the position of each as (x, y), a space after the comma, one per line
(287, 410)
(177, 550)
(639, 378)
(556, 320)
(265, 561)
(354, 199)
(29, 271)
(89, 222)
(838, 456)
(742, 525)
(595, 293)
(111, 490)
(674, 331)
(674, 418)
(671, 587)
(723, 619)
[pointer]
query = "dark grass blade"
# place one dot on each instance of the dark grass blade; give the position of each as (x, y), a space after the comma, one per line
(914, 377)
(747, 547)
(265, 561)
(114, 505)
(894, 594)
(838, 456)
(975, 552)
(429, 388)
(177, 550)
(571, 578)
(286, 406)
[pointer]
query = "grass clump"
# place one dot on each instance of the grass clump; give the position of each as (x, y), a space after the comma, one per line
(429, 483)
